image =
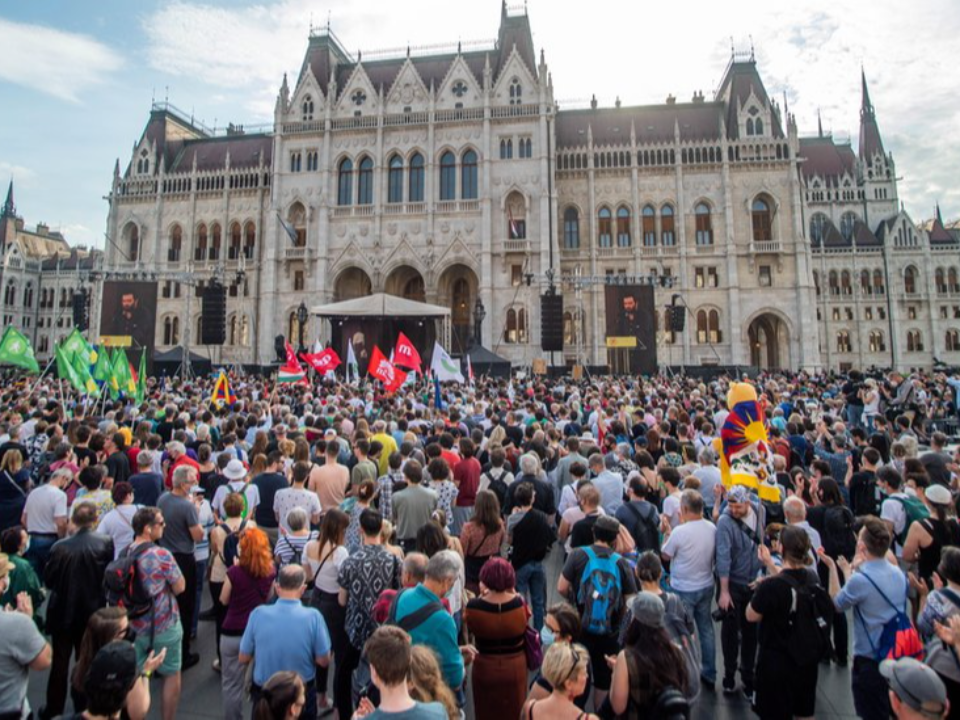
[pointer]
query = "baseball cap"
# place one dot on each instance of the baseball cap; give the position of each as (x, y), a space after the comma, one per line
(938, 495)
(738, 494)
(916, 684)
(114, 666)
(235, 470)
(647, 609)
(6, 567)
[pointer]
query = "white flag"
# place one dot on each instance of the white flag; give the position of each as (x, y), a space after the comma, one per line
(317, 347)
(443, 366)
(469, 370)
(352, 363)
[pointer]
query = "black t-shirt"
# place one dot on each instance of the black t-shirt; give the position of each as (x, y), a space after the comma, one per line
(268, 484)
(863, 493)
(147, 488)
(165, 431)
(582, 533)
(532, 538)
(577, 563)
(118, 467)
(85, 453)
(773, 599)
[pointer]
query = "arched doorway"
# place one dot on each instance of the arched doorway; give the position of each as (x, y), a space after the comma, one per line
(406, 282)
(769, 340)
(350, 284)
(458, 288)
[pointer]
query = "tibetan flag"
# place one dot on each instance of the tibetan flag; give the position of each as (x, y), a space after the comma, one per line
(323, 361)
(389, 374)
(221, 391)
(15, 349)
(406, 354)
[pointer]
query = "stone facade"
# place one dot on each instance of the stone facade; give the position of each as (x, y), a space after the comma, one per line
(454, 176)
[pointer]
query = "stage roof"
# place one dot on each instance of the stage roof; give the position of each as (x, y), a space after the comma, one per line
(379, 305)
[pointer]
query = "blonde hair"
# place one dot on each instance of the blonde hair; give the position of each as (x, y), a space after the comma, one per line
(287, 447)
(426, 683)
(386, 531)
(563, 663)
(12, 461)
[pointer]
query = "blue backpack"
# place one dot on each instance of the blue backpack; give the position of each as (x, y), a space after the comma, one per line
(601, 593)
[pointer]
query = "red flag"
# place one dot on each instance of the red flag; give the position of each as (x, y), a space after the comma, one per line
(385, 371)
(406, 354)
(322, 362)
(291, 356)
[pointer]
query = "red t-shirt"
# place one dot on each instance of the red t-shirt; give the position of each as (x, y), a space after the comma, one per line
(467, 475)
(182, 460)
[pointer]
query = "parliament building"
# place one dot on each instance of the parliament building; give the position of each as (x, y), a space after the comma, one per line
(454, 178)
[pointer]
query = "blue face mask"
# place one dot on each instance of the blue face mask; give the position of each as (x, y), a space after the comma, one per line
(547, 638)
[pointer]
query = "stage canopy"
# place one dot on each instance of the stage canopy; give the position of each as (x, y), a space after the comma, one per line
(487, 362)
(380, 305)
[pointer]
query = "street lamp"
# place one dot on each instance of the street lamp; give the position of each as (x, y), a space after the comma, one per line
(302, 316)
(479, 313)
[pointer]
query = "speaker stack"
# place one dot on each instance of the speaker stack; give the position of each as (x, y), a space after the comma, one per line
(81, 310)
(213, 330)
(551, 323)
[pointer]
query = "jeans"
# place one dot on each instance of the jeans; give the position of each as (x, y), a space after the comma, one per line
(39, 551)
(232, 677)
(343, 679)
(739, 637)
(335, 617)
(870, 690)
(855, 416)
(531, 579)
(198, 602)
(699, 603)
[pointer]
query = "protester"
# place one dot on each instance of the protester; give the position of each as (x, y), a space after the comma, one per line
(118, 522)
(23, 649)
(45, 518)
(21, 578)
(531, 536)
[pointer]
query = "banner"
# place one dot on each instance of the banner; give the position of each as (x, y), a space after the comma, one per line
(323, 361)
(407, 355)
(129, 310)
(385, 371)
(443, 366)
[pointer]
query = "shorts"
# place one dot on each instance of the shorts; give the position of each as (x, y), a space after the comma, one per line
(599, 646)
(784, 689)
(171, 639)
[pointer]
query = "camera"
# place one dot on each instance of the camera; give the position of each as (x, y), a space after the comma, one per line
(719, 615)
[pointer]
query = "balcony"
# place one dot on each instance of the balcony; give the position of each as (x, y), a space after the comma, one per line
(297, 253)
(454, 206)
(516, 246)
(705, 249)
(766, 246)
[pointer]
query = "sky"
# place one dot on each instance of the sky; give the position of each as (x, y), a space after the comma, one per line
(77, 77)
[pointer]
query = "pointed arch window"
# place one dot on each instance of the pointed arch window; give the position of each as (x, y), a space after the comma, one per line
(200, 252)
(571, 229)
(176, 244)
(236, 242)
(952, 340)
(216, 241)
(395, 180)
(649, 226)
(702, 327)
(365, 182)
(468, 176)
(704, 225)
(133, 243)
(910, 280)
(817, 225)
(843, 341)
(953, 283)
(878, 284)
(914, 341)
(762, 221)
(758, 126)
(171, 330)
(516, 92)
(415, 191)
(623, 227)
(249, 240)
(28, 295)
(845, 287)
(847, 222)
(668, 233)
(448, 176)
(345, 182)
(605, 228)
(307, 108)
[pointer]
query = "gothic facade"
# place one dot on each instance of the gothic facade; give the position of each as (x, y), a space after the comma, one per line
(453, 177)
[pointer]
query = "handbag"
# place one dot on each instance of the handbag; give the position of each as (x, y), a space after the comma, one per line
(532, 647)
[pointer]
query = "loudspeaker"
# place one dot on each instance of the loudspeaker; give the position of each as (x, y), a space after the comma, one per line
(551, 323)
(213, 330)
(677, 316)
(280, 348)
(81, 316)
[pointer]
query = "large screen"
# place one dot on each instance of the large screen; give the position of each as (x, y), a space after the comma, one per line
(129, 309)
(631, 335)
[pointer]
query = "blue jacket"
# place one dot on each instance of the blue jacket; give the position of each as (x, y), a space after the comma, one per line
(736, 554)
(438, 632)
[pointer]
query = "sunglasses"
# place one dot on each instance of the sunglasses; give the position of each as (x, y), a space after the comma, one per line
(576, 664)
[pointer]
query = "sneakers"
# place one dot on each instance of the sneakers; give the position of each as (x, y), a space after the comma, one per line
(749, 693)
(729, 686)
(215, 665)
(189, 661)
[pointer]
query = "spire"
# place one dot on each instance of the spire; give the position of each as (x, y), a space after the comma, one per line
(9, 209)
(819, 124)
(939, 216)
(865, 105)
(870, 142)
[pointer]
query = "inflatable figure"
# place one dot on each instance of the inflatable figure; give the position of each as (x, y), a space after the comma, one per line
(746, 457)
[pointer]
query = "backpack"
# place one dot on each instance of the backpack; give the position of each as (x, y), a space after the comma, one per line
(246, 507)
(677, 625)
(838, 536)
(601, 593)
(231, 544)
(915, 510)
(497, 486)
(811, 612)
(773, 512)
(646, 531)
(670, 705)
(123, 585)
(943, 658)
(899, 638)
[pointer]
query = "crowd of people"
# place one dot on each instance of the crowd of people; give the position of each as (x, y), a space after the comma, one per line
(374, 555)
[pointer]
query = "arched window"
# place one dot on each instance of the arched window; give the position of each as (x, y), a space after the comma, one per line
(952, 340)
(510, 330)
(865, 288)
(307, 108)
(28, 295)
(749, 126)
(649, 226)
(365, 182)
(843, 341)
(216, 241)
(516, 92)
(877, 342)
(914, 341)
(758, 126)
(667, 228)
(845, 288)
(816, 282)
(133, 243)
(345, 183)
(415, 191)
(818, 224)
(506, 148)
(234, 329)
(176, 244)
(236, 242)
(834, 281)
(200, 252)
(940, 280)
(395, 180)
(847, 222)
(448, 176)
(605, 229)
(171, 330)
(249, 240)
(878, 286)
(704, 225)
(910, 280)
(199, 334)
(953, 284)
(568, 336)
(571, 229)
(297, 218)
(468, 176)
(702, 327)
(762, 221)
(713, 322)
(623, 227)
(293, 328)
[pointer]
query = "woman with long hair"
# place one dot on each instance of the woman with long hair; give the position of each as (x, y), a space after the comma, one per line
(322, 559)
(565, 668)
(649, 662)
(260, 443)
(282, 697)
(258, 465)
(246, 587)
(14, 488)
(233, 507)
(927, 537)
(366, 492)
(481, 537)
(426, 683)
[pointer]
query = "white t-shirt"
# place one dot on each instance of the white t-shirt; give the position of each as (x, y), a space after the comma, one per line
(893, 511)
(691, 548)
(43, 505)
(671, 508)
(252, 493)
(326, 578)
(289, 498)
(118, 524)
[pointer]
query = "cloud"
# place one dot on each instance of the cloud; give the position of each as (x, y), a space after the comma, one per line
(21, 176)
(51, 61)
(80, 234)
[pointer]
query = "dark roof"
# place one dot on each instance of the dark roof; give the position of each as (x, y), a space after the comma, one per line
(826, 159)
(939, 235)
(169, 144)
(740, 80)
(73, 261)
(515, 31)
(211, 153)
(870, 141)
(653, 123)
(863, 236)
(432, 69)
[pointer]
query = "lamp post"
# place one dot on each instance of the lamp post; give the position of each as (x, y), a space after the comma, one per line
(479, 313)
(302, 316)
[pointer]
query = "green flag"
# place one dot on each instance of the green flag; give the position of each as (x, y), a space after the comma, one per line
(82, 368)
(141, 392)
(15, 350)
(76, 344)
(121, 371)
(66, 371)
(103, 370)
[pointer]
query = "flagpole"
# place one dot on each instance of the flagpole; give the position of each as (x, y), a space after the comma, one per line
(45, 370)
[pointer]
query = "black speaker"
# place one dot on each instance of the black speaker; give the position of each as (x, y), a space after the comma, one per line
(677, 315)
(81, 316)
(213, 330)
(551, 323)
(280, 348)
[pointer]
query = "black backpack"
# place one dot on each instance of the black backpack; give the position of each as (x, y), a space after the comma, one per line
(231, 544)
(811, 614)
(122, 584)
(646, 532)
(838, 536)
(670, 705)
(498, 487)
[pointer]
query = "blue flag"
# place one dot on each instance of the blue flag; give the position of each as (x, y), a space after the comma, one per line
(439, 397)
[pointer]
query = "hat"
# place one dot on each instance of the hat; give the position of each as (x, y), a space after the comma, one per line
(114, 666)
(915, 684)
(607, 523)
(938, 495)
(6, 567)
(648, 610)
(738, 494)
(235, 470)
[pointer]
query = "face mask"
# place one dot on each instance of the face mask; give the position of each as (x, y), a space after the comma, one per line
(547, 637)
(26, 546)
